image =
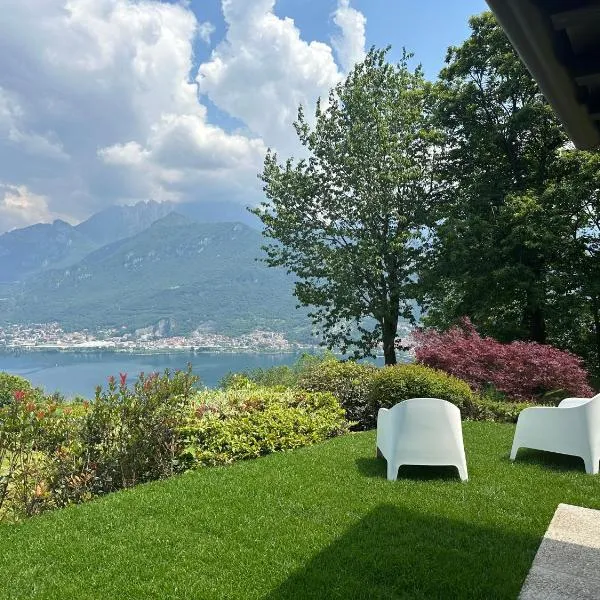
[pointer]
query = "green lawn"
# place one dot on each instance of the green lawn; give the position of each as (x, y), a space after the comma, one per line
(321, 522)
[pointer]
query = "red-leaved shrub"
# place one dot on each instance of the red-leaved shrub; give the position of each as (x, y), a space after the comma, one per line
(520, 370)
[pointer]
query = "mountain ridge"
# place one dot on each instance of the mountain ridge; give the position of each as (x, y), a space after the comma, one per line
(193, 275)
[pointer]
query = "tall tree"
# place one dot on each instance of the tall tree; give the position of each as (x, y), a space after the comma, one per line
(498, 230)
(574, 302)
(346, 220)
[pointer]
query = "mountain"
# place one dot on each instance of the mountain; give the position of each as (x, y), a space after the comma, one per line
(188, 274)
(118, 222)
(27, 251)
(218, 212)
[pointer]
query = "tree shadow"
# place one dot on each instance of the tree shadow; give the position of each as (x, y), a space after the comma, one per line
(377, 468)
(398, 553)
(550, 460)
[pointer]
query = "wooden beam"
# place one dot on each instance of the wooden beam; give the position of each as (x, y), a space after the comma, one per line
(586, 68)
(578, 16)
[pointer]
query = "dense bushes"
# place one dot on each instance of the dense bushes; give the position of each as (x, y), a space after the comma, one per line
(130, 435)
(391, 385)
(249, 422)
(9, 384)
(363, 388)
(54, 454)
(348, 381)
(519, 370)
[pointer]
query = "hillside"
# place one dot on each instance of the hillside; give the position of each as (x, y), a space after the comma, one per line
(194, 275)
(43, 246)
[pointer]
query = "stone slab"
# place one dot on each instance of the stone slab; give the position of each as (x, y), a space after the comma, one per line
(567, 563)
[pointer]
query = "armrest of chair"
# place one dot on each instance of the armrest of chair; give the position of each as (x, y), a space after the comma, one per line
(572, 402)
(549, 421)
(385, 424)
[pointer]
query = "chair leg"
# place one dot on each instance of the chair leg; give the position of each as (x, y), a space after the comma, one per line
(591, 465)
(462, 471)
(514, 450)
(392, 471)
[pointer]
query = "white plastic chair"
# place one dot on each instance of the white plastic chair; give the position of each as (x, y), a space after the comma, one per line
(421, 431)
(573, 427)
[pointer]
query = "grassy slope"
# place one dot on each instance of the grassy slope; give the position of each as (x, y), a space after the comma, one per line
(321, 522)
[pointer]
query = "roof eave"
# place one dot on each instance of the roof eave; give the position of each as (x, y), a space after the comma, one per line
(529, 33)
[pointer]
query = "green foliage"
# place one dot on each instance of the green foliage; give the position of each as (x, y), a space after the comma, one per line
(34, 432)
(129, 435)
(347, 220)
(54, 454)
(485, 408)
(348, 381)
(322, 522)
(391, 385)
(250, 422)
(516, 224)
(280, 375)
(9, 384)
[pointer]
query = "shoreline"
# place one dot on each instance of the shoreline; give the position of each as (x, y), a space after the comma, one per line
(16, 350)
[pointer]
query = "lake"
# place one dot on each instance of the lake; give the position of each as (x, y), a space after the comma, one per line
(78, 373)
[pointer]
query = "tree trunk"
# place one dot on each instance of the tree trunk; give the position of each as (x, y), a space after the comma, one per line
(389, 330)
(533, 321)
(596, 316)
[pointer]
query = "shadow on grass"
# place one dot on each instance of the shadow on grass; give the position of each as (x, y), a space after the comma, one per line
(397, 553)
(550, 460)
(377, 467)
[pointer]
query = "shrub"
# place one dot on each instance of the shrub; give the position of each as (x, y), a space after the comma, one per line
(279, 375)
(521, 370)
(348, 381)
(394, 384)
(54, 454)
(239, 424)
(487, 409)
(9, 384)
(32, 427)
(130, 435)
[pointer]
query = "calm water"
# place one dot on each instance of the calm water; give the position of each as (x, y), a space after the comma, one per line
(78, 374)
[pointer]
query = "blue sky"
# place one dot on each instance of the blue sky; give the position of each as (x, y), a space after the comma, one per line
(115, 101)
(424, 27)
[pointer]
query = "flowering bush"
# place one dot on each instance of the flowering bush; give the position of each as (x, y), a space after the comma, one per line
(53, 454)
(32, 427)
(9, 384)
(129, 435)
(519, 370)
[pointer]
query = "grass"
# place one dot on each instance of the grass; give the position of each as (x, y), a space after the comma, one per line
(321, 522)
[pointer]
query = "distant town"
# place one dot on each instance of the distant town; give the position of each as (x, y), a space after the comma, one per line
(50, 336)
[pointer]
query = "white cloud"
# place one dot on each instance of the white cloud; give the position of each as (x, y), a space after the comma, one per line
(20, 207)
(263, 69)
(98, 104)
(205, 30)
(350, 44)
(11, 116)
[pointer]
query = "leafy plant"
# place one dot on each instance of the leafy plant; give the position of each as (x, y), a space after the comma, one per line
(239, 424)
(521, 370)
(130, 435)
(348, 381)
(391, 385)
(27, 426)
(9, 384)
